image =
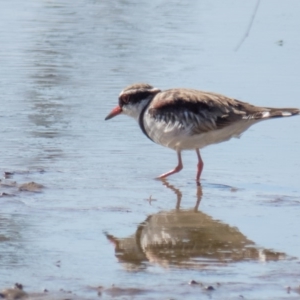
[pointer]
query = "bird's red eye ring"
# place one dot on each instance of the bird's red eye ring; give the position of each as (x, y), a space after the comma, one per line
(125, 99)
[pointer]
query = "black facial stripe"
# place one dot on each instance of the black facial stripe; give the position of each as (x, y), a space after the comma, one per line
(133, 98)
(139, 97)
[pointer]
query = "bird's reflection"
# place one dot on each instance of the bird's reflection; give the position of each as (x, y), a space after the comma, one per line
(186, 239)
(178, 193)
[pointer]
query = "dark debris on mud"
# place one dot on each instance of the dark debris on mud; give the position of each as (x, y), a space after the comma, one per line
(11, 188)
(17, 292)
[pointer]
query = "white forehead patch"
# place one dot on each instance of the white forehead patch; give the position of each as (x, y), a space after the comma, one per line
(133, 91)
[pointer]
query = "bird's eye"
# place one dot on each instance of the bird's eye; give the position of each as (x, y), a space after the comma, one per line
(125, 99)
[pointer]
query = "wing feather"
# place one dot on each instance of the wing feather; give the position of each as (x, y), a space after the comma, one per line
(199, 111)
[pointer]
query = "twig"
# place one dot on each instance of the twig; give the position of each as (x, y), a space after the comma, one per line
(249, 27)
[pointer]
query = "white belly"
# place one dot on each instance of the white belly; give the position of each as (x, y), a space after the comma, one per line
(177, 137)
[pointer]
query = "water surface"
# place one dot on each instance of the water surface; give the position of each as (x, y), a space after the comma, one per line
(100, 218)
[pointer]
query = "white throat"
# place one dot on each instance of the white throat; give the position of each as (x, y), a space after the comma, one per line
(134, 110)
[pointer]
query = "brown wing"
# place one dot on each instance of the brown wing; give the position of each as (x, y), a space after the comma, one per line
(200, 111)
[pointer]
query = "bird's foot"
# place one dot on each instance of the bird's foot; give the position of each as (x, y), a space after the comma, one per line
(165, 175)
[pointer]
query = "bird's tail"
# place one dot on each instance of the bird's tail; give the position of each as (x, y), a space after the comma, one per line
(267, 113)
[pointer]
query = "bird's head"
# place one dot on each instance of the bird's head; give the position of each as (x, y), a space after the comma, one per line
(133, 99)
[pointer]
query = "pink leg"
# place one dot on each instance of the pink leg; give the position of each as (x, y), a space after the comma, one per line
(199, 166)
(176, 170)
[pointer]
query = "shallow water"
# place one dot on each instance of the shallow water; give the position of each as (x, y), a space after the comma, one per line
(100, 218)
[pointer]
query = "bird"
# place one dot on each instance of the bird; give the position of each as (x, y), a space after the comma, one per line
(190, 119)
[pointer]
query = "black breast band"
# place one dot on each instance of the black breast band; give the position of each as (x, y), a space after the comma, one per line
(141, 121)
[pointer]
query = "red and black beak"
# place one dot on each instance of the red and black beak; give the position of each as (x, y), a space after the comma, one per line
(116, 111)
